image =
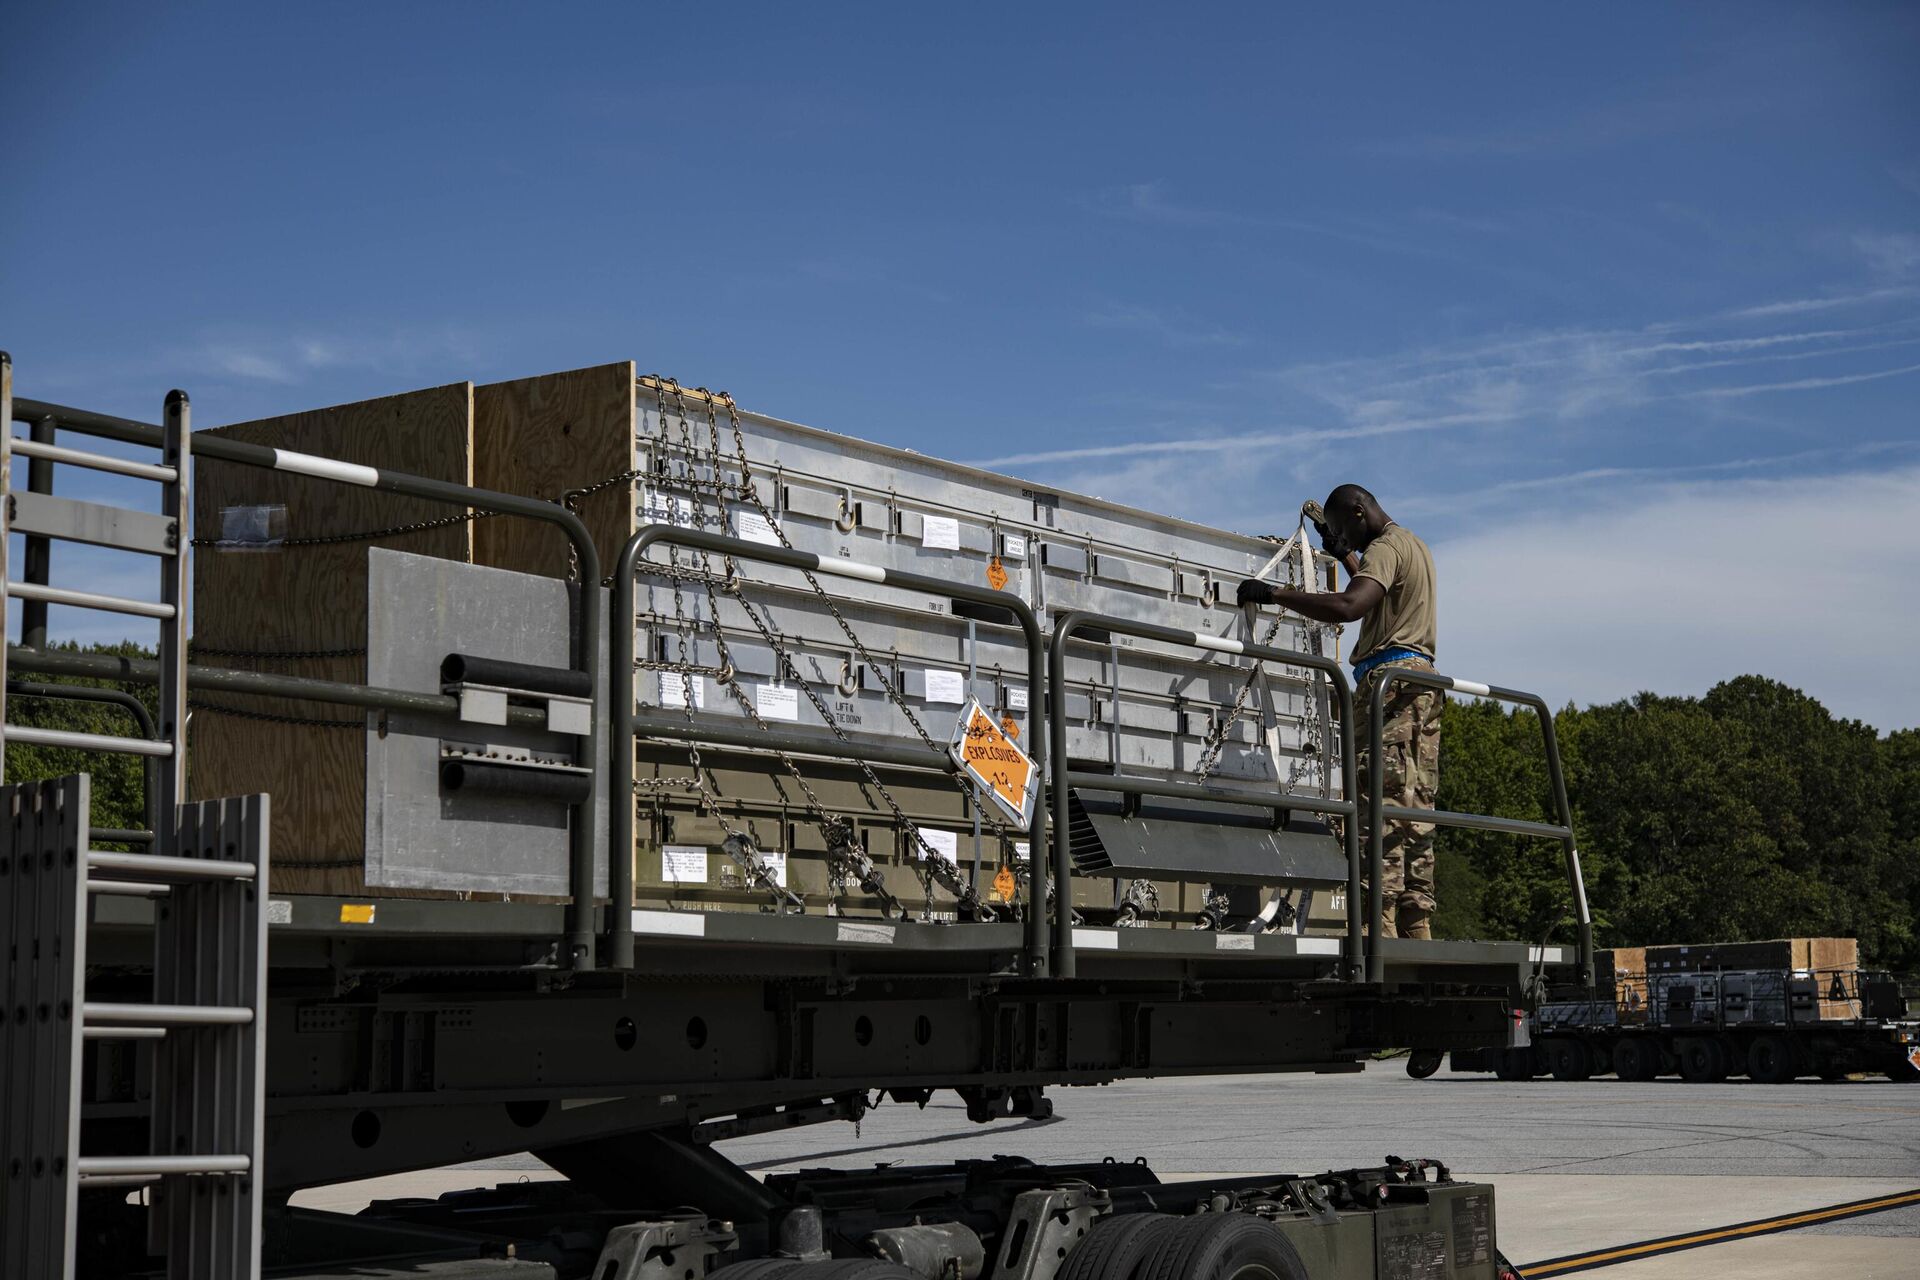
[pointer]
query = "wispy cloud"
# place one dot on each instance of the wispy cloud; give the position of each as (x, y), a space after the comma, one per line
(1800, 384)
(1148, 202)
(1801, 306)
(1183, 444)
(1464, 502)
(1614, 603)
(1175, 328)
(292, 359)
(1891, 253)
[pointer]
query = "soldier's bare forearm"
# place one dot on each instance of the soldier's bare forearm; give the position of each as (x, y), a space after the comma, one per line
(1321, 606)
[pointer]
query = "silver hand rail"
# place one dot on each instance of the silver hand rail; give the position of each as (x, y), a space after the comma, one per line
(1378, 811)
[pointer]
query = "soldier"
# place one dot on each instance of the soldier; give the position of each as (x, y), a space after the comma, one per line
(1390, 588)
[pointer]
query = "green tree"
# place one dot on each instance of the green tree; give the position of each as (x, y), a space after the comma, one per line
(119, 782)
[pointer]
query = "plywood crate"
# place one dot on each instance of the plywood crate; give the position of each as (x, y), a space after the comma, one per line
(268, 598)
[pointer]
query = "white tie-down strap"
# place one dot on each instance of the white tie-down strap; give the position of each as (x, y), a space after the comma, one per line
(1270, 723)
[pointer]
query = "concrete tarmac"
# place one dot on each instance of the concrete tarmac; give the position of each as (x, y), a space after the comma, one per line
(1577, 1167)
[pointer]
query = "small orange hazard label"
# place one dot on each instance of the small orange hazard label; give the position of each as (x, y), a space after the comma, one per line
(1010, 726)
(1003, 884)
(996, 574)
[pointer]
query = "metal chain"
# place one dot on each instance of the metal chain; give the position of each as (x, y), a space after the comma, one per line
(893, 695)
(1214, 747)
(939, 866)
(213, 651)
(221, 709)
(831, 827)
(369, 535)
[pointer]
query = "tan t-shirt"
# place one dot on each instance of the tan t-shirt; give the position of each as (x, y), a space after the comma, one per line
(1401, 563)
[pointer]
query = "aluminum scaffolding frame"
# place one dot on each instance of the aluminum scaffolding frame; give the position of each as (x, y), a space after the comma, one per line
(207, 1016)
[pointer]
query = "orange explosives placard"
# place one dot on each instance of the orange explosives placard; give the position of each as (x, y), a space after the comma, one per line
(1003, 889)
(997, 574)
(995, 763)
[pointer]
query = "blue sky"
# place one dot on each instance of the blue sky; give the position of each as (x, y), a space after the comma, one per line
(1620, 307)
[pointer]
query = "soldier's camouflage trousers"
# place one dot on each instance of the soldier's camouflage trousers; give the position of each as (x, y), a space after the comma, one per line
(1410, 765)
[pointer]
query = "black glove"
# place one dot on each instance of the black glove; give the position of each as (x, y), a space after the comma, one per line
(1253, 592)
(1332, 543)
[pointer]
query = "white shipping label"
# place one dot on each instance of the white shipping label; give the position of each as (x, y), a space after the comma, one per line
(1020, 849)
(940, 533)
(946, 686)
(751, 526)
(673, 690)
(657, 507)
(945, 843)
(1016, 697)
(776, 703)
(1015, 545)
(683, 863)
(775, 861)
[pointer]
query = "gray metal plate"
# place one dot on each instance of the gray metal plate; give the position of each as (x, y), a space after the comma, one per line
(419, 609)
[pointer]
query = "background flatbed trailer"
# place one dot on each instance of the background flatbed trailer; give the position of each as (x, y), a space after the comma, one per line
(198, 1038)
(1770, 1025)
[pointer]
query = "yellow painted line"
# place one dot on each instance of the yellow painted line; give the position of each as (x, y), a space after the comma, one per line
(1719, 1235)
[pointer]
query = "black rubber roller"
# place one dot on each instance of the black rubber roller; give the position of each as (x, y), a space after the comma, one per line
(462, 668)
(482, 777)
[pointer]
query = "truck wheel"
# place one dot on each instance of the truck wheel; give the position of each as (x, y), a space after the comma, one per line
(1514, 1064)
(1569, 1060)
(1422, 1063)
(849, 1269)
(1700, 1062)
(1227, 1246)
(756, 1269)
(1771, 1060)
(1116, 1246)
(1728, 1058)
(1636, 1060)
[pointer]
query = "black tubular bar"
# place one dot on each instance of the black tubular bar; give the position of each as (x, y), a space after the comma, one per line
(791, 741)
(625, 721)
(39, 548)
(1063, 781)
(1378, 810)
(261, 684)
(587, 620)
(150, 765)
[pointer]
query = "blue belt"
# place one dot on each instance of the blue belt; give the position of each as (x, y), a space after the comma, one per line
(1377, 658)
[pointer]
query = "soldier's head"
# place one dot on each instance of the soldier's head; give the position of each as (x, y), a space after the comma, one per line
(1355, 515)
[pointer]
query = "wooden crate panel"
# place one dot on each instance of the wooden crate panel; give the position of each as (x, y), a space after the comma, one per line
(256, 604)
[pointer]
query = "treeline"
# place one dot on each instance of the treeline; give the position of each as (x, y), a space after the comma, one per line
(119, 784)
(1751, 812)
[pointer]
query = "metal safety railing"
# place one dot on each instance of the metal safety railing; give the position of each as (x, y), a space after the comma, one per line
(1379, 812)
(587, 624)
(1065, 780)
(626, 720)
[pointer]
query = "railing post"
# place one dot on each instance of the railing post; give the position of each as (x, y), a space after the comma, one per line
(1556, 776)
(1376, 839)
(38, 565)
(171, 723)
(6, 525)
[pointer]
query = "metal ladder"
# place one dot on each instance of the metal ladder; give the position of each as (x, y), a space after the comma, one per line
(205, 876)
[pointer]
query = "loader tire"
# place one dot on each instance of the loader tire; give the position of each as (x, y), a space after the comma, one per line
(1772, 1060)
(1636, 1060)
(1116, 1246)
(1226, 1246)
